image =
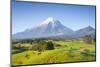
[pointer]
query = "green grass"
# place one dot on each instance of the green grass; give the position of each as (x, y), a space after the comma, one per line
(69, 51)
(24, 45)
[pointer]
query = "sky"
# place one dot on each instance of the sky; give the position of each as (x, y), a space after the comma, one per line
(26, 15)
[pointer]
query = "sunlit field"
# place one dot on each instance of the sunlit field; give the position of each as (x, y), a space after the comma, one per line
(63, 51)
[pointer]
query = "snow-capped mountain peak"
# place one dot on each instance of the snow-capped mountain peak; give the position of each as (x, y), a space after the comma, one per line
(50, 20)
(51, 28)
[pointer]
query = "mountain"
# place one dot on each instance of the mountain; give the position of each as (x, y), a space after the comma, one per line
(84, 31)
(49, 28)
(79, 33)
(52, 28)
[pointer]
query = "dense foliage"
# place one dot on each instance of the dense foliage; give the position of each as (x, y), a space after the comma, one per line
(88, 39)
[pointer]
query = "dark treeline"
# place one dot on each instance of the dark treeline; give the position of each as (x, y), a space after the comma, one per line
(42, 44)
(89, 39)
(22, 41)
(36, 44)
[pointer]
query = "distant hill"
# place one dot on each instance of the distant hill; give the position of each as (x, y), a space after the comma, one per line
(84, 31)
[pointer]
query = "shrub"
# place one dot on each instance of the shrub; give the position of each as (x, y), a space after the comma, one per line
(50, 46)
(27, 56)
(88, 39)
(43, 45)
(57, 45)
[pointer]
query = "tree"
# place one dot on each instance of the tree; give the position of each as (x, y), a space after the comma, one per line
(43, 45)
(88, 39)
(50, 46)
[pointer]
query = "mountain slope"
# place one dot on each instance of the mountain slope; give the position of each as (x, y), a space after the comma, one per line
(50, 27)
(85, 31)
(79, 33)
(54, 29)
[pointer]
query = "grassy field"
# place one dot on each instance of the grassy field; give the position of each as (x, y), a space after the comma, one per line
(65, 51)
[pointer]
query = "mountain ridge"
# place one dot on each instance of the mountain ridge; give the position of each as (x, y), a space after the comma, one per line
(51, 27)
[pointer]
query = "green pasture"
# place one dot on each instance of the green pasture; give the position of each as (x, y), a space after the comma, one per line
(68, 51)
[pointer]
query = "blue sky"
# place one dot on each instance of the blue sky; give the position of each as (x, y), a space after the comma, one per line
(27, 15)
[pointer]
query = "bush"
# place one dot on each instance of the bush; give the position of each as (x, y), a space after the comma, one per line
(57, 45)
(50, 46)
(43, 45)
(88, 39)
